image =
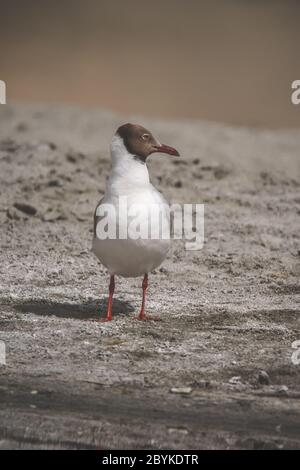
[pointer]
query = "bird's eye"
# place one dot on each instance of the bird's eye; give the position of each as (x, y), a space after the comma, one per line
(145, 136)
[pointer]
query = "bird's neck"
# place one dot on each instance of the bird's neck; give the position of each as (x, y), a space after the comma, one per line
(128, 173)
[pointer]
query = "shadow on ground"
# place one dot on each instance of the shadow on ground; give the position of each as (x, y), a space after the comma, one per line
(84, 311)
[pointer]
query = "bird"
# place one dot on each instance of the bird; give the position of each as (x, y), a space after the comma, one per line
(129, 255)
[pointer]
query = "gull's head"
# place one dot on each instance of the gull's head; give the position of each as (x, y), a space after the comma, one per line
(138, 142)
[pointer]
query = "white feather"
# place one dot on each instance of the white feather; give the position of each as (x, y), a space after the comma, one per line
(130, 177)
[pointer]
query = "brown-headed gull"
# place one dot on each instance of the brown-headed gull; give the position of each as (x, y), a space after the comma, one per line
(129, 203)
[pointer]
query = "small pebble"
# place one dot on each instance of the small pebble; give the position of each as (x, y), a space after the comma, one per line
(263, 378)
(181, 390)
(236, 380)
(25, 208)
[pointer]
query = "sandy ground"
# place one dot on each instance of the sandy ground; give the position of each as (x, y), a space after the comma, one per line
(216, 372)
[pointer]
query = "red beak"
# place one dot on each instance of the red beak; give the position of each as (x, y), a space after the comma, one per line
(166, 149)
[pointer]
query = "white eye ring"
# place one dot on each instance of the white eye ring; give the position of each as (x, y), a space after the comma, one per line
(145, 136)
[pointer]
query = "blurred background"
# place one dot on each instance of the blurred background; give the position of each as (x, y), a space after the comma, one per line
(221, 60)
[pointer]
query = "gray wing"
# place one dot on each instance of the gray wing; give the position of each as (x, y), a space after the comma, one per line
(96, 217)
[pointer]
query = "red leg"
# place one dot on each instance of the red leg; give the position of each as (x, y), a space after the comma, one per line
(144, 286)
(110, 300)
(142, 316)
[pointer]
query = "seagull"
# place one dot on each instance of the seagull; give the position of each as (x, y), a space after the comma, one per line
(130, 255)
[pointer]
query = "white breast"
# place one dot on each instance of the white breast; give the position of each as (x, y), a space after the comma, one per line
(133, 256)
